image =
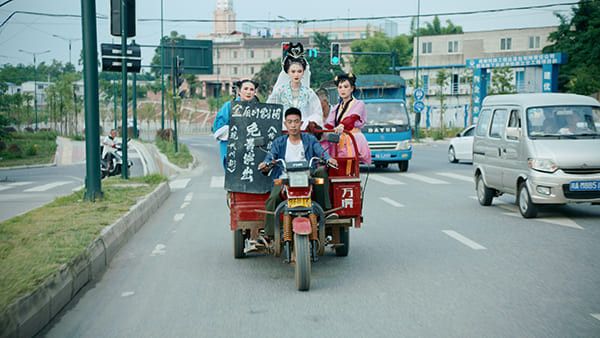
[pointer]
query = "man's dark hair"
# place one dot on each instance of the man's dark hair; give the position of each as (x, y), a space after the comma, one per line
(292, 111)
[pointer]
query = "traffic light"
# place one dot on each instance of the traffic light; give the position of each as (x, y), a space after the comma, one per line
(115, 17)
(179, 76)
(335, 54)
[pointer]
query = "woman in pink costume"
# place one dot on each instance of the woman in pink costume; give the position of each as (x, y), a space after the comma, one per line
(349, 115)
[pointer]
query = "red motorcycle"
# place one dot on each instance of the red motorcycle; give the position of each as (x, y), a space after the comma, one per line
(302, 230)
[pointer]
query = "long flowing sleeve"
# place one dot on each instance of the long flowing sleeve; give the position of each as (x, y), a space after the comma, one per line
(222, 118)
(314, 111)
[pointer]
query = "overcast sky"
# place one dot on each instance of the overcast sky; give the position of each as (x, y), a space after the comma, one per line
(35, 33)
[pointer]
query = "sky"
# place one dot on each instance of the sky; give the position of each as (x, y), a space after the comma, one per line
(35, 33)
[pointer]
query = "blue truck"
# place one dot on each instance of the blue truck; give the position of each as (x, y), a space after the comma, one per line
(388, 129)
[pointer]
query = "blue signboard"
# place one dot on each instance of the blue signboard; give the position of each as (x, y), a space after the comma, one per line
(418, 106)
(518, 61)
(419, 94)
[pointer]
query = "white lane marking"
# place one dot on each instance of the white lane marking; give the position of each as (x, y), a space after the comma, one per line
(392, 202)
(188, 197)
(48, 186)
(159, 250)
(178, 217)
(184, 205)
(131, 155)
(217, 182)
(457, 177)
(76, 189)
(424, 178)
(385, 180)
(127, 294)
(595, 315)
(464, 240)
(562, 221)
(179, 184)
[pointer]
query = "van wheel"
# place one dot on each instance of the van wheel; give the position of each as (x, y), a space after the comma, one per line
(452, 155)
(403, 166)
(484, 194)
(527, 208)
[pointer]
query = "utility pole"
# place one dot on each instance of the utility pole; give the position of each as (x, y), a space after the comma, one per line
(92, 115)
(417, 115)
(125, 166)
(162, 69)
(35, 96)
(68, 40)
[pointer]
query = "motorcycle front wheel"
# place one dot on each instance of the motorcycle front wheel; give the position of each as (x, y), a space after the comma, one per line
(302, 249)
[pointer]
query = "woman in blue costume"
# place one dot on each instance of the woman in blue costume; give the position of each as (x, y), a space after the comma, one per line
(246, 92)
(292, 89)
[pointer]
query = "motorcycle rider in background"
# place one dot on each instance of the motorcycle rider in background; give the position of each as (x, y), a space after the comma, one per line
(110, 146)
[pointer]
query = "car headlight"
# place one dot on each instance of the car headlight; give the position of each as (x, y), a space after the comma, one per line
(404, 145)
(544, 165)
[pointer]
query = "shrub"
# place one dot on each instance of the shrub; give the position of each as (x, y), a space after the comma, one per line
(14, 150)
(32, 150)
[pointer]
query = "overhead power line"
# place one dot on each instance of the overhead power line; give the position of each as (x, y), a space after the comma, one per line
(5, 2)
(304, 21)
(366, 18)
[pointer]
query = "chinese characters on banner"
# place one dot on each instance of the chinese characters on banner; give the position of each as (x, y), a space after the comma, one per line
(250, 120)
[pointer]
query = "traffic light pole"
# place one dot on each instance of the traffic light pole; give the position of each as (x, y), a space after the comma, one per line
(174, 81)
(93, 189)
(125, 165)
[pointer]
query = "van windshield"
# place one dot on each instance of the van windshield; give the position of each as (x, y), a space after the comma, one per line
(566, 122)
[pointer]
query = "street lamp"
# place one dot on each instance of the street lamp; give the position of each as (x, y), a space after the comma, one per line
(35, 81)
(297, 22)
(66, 39)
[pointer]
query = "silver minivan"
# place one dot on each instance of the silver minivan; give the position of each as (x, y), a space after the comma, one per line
(542, 148)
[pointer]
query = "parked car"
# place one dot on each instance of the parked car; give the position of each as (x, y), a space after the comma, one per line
(461, 146)
(542, 148)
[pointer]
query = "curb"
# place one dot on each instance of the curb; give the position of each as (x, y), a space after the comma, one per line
(29, 314)
(30, 166)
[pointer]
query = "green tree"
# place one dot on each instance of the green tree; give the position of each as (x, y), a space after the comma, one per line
(434, 28)
(266, 77)
(578, 36)
(155, 64)
(502, 81)
(380, 64)
(441, 80)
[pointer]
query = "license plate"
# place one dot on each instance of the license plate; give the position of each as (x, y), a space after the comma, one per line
(584, 186)
(382, 155)
(299, 202)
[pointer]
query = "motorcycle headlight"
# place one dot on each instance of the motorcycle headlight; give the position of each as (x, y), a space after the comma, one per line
(544, 165)
(404, 145)
(298, 179)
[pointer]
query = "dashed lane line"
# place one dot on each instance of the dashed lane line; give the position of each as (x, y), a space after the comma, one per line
(178, 217)
(47, 187)
(424, 178)
(392, 202)
(385, 180)
(217, 182)
(464, 240)
(179, 184)
(595, 315)
(457, 176)
(184, 205)
(189, 197)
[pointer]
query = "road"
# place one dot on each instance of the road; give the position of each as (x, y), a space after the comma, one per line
(22, 190)
(428, 262)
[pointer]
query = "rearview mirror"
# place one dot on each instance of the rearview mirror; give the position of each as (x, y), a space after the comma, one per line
(331, 137)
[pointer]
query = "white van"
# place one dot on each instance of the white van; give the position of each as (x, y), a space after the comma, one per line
(543, 148)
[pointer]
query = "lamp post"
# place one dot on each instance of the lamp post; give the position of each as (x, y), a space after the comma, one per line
(68, 40)
(296, 22)
(35, 54)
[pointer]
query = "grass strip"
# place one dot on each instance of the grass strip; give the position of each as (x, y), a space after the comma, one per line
(182, 159)
(23, 148)
(33, 246)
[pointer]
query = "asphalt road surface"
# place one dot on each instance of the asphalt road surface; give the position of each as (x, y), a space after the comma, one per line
(22, 190)
(428, 262)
